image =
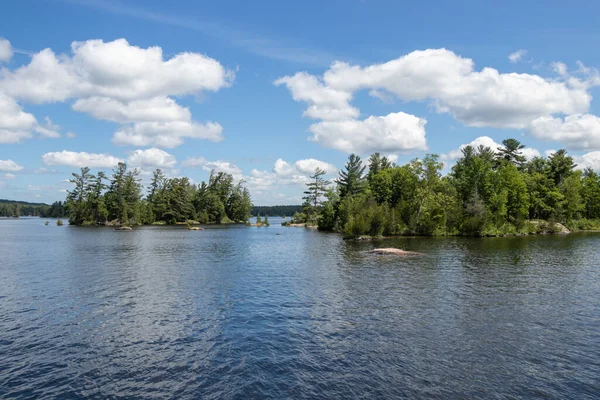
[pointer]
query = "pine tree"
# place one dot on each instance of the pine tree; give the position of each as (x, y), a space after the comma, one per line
(315, 193)
(351, 180)
(511, 152)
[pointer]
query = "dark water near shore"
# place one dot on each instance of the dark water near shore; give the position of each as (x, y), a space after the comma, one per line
(236, 312)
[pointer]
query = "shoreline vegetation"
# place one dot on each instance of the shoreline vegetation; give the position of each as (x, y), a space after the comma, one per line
(487, 193)
(119, 202)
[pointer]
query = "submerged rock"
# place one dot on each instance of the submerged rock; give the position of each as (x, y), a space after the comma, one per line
(124, 228)
(393, 251)
(195, 228)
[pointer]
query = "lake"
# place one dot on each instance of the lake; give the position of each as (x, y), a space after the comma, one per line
(246, 312)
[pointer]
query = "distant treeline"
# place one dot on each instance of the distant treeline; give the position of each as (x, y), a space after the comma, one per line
(277, 211)
(15, 209)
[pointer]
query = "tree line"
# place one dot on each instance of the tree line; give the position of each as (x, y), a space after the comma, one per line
(487, 192)
(280, 211)
(16, 209)
(119, 200)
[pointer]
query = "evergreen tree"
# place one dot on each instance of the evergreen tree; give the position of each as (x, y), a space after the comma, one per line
(314, 194)
(561, 166)
(351, 180)
(376, 164)
(77, 204)
(511, 152)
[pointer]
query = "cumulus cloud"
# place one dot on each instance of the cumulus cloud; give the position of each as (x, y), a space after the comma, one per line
(71, 135)
(10, 165)
(476, 98)
(309, 165)
(15, 124)
(579, 131)
(396, 132)
(80, 159)
(588, 160)
(166, 134)
(485, 141)
(126, 84)
(5, 50)
(517, 56)
(449, 82)
(156, 109)
(9, 176)
(306, 167)
(151, 158)
(324, 102)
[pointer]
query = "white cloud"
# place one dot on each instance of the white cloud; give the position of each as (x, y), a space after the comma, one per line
(305, 167)
(71, 135)
(449, 82)
(5, 50)
(396, 132)
(579, 131)
(283, 168)
(49, 129)
(81, 159)
(9, 165)
(486, 141)
(588, 160)
(476, 98)
(113, 69)
(12, 117)
(156, 109)
(126, 84)
(7, 136)
(166, 134)
(559, 68)
(9, 176)
(308, 166)
(16, 125)
(324, 102)
(151, 158)
(530, 153)
(517, 56)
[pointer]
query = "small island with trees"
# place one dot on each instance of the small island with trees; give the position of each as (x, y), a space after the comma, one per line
(119, 201)
(486, 193)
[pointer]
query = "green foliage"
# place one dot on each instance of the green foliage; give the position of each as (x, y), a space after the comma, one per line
(351, 180)
(299, 218)
(486, 193)
(59, 222)
(169, 200)
(280, 211)
(314, 194)
(11, 209)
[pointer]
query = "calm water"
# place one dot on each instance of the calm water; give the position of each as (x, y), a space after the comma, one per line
(236, 312)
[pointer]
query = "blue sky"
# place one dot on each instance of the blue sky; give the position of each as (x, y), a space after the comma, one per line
(269, 90)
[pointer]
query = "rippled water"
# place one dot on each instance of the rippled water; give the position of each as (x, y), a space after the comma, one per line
(236, 312)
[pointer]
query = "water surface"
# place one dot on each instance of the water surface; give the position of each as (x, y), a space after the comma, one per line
(237, 312)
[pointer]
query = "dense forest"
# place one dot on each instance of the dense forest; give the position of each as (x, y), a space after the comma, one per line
(98, 200)
(279, 211)
(15, 209)
(486, 193)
